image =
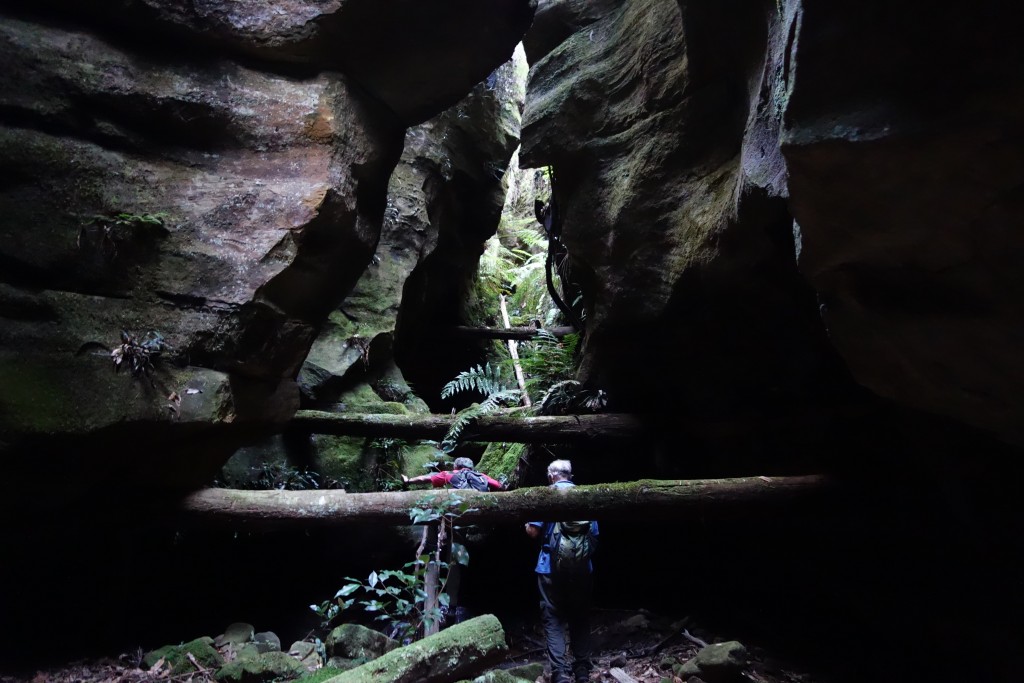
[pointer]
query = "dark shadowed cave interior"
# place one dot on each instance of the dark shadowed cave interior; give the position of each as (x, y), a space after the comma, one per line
(791, 246)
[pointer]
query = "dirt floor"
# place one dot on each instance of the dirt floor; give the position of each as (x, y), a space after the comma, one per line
(629, 646)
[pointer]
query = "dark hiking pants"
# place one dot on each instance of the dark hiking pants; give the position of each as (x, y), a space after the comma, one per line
(565, 612)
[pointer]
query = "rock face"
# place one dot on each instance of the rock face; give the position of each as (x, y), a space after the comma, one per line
(201, 196)
(673, 204)
(415, 57)
(444, 200)
(686, 135)
(905, 169)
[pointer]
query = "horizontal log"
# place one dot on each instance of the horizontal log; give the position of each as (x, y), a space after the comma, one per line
(459, 652)
(493, 427)
(509, 333)
(648, 499)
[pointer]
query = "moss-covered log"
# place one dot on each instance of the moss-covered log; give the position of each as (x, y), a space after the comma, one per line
(493, 427)
(672, 499)
(512, 333)
(459, 652)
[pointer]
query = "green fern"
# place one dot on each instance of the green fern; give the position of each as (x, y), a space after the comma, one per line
(467, 416)
(486, 380)
(546, 360)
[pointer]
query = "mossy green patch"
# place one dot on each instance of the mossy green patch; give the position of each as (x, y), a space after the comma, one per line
(417, 459)
(435, 655)
(344, 459)
(269, 666)
(177, 656)
(363, 399)
(321, 675)
(500, 459)
(354, 641)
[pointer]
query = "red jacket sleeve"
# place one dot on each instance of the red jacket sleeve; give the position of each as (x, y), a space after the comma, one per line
(493, 484)
(439, 479)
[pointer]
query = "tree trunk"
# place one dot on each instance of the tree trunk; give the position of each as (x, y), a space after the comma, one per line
(517, 333)
(432, 581)
(457, 653)
(513, 351)
(647, 499)
(493, 427)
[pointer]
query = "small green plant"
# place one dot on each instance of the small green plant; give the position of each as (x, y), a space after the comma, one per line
(109, 236)
(399, 597)
(388, 466)
(138, 354)
(486, 380)
(285, 477)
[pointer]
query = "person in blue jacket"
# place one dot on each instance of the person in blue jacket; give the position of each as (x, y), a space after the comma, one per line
(565, 600)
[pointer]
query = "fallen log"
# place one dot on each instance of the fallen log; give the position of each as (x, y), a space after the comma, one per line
(493, 427)
(647, 499)
(509, 333)
(459, 652)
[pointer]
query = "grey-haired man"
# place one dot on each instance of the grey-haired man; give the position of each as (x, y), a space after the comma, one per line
(565, 601)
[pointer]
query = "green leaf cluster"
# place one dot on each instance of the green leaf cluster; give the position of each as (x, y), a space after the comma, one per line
(395, 596)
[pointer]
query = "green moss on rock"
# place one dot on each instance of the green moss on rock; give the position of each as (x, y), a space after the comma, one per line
(321, 675)
(444, 652)
(177, 656)
(344, 459)
(416, 459)
(269, 666)
(354, 641)
(500, 459)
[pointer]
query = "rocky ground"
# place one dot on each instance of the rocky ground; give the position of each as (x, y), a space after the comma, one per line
(631, 647)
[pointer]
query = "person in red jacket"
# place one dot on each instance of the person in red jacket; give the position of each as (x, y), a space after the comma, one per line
(463, 476)
(465, 465)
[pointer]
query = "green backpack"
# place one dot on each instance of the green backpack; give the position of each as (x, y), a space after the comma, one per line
(572, 545)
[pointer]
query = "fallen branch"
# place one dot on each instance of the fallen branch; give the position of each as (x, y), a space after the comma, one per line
(621, 676)
(693, 639)
(646, 499)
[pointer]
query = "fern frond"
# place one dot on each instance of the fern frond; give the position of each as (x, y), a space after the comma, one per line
(463, 418)
(499, 400)
(467, 416)
(486, 380)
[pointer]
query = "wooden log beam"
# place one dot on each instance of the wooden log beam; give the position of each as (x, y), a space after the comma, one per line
(647, 499)
(510, 333)
(493, 427)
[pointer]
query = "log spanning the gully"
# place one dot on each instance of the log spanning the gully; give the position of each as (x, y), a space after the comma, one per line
(505, 333)
(506, 426)
(647, 499)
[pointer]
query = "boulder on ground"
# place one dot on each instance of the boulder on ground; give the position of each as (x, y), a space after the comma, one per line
(269, 666)
(352, 641)
(178, 660)
(717, 663)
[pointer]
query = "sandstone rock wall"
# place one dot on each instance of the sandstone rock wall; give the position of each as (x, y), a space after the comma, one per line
(215, 173)
(687, 135)
(903, 145)
(658, 118)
